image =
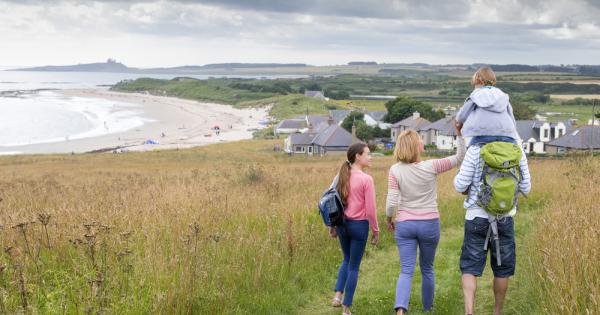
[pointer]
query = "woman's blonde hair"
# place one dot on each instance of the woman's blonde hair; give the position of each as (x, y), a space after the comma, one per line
(484, 76)
(408, 145)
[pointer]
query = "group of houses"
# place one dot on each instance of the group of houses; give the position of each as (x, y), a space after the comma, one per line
(321, 135)
(537, 136)
(315, 134)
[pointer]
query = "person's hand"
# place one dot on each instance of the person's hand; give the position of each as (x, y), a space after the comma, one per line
(375, 239)
(390, 225)
(458, 126)
(332, 232)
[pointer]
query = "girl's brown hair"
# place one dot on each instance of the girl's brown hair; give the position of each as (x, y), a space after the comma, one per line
(408, 145)
(343, 186)
(484, 76)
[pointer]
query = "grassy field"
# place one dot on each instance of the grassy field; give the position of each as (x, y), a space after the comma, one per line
(291, 105)
(556, 112)
(563, 97)
(233, 229)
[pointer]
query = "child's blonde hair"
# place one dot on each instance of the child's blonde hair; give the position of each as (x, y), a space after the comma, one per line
(484, 76)
(407, 148)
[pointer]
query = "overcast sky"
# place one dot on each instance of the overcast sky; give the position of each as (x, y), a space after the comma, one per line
(169, 33)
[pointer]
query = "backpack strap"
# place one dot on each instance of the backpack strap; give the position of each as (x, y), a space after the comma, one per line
(492, 233)
(336, 179)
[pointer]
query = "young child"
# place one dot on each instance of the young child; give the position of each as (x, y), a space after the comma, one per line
(487, 115)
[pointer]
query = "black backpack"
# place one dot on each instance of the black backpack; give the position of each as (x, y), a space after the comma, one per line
(331, 206)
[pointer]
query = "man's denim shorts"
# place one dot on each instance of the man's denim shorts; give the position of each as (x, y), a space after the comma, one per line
(473, 256)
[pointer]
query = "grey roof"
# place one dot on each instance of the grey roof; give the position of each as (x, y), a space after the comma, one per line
(377, 114)
(333, 136)
(410, 122)
(444, 126)
(292, 124)
(316, 120)
(314, 94)
(585, 137)
(302, 138)
(339, 114)
(528, 129)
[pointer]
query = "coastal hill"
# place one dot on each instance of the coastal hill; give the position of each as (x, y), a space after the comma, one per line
(112, 65)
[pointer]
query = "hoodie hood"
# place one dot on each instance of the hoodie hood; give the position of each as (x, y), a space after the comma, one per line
(490, 98)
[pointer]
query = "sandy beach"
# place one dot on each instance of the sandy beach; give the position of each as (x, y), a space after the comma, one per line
(177, 123)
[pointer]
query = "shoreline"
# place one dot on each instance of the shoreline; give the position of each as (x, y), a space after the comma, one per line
(177, 123)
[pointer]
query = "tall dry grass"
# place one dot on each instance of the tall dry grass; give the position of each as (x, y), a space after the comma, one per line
(564, 251)
(230, 229)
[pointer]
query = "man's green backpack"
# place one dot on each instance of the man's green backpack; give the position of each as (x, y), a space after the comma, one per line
(500, 177)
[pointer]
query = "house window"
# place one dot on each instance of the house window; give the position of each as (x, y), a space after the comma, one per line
(299, 148)
(545, 133)
(310, 150)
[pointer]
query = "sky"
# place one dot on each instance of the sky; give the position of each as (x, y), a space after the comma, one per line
(147, 33)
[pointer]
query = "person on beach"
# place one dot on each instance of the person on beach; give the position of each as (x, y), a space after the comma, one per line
(487, 115)
(412, 212)
(357, 191)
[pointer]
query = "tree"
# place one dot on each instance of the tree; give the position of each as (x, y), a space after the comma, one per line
(313, 86)
(403, 107)
(522, 111)
(353, 117)
(363, 131)
(337, 95)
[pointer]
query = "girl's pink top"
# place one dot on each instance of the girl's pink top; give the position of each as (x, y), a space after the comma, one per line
(360, 204)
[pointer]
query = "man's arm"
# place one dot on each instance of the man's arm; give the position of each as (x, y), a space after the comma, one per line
(525, 184)
(464, 178)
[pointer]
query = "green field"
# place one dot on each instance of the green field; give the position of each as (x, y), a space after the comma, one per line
(435, 87)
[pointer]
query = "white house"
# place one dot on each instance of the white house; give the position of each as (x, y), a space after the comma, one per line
(315, 94)
(331, 139)
(415, 122)
(536, 134)
(289, 126)
(372, 118)
(441, 133)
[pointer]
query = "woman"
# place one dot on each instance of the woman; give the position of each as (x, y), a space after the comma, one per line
(358, 193)
(412, 194)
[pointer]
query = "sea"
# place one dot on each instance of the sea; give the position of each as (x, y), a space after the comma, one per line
(32, 112)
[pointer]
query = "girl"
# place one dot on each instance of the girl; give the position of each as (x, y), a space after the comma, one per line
(412, 198)
(358, 194)
(487, 114)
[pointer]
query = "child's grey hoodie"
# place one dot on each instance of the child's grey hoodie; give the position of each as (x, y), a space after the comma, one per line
(487, 112)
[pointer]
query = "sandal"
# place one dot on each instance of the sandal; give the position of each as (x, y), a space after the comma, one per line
(336, 302)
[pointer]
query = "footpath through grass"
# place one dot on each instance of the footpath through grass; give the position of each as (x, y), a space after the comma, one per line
(380, 269)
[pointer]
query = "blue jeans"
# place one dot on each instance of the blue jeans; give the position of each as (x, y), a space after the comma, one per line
(424, 234)
(487, 139)
(473, 256)
(353, 237)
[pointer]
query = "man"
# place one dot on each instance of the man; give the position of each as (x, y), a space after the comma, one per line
(479, 225)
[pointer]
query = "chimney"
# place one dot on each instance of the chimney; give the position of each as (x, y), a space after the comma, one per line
(416, 115)
(354, 139)
(330, 121)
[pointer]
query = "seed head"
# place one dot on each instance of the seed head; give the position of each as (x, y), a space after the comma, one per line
(44, 218)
